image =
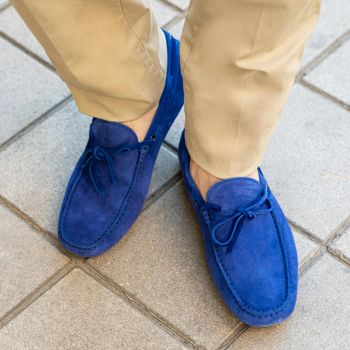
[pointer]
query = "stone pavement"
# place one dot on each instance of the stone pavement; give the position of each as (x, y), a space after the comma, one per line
(152, 290)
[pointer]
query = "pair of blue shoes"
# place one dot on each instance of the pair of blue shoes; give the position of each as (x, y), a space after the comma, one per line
(249, 245)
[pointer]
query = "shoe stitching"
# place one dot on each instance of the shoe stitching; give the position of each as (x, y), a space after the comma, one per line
(220, 264)
(103, 237)
(237, 297)
(117, 218)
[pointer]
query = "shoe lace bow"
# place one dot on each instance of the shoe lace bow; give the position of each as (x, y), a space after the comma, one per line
(98, 153)
(238, 218)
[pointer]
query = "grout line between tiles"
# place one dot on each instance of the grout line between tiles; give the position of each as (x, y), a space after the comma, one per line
(331, 48)
(324, 94)
(175, 179)
(35, 122)
(45, 234)
(28, 52)
(306, 233)
(311, 260)
(340, 258)
(170, 147)
(174, 21)
(174, 7)
(233, 336)
(338, 231)
(4, 6)
(138, 304)
(36, 294)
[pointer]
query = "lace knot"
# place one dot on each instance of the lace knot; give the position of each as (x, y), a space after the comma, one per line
(260, 207)
(249, 214)
(99, 153)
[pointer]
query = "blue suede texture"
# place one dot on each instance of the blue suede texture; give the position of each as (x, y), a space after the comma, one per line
(109, 185)
(251, 252)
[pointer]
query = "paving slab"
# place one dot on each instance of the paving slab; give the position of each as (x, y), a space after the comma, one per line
(307, 162)
(321, 319)
(26, 260)
(79, 313)
(307, 249)
(174, 134)
(333, 74)
(163, 12)
(36, 168)
(27, 90)
(176, 28)
(3, 3)
(161, 261)
(333, 22)
(341, 246)
(166, 167)
(13, 26)
(181, 4)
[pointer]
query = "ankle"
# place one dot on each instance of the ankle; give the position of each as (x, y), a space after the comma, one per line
(205, 180)
(141, 125)
(202, 178)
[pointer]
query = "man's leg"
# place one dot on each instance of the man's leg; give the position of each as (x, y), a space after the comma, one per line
(123, 70)
(239, 60)
(112, 55)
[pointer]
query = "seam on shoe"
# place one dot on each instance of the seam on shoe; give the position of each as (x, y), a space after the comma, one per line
(139, 162)
(107, 233)
(237, 298)
(275, 310)
(97, 242)
(173, 102)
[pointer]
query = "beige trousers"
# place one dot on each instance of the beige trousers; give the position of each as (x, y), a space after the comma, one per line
(239, 59)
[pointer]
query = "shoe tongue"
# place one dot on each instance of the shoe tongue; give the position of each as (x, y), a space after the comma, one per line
(233, 193)
(112, 134)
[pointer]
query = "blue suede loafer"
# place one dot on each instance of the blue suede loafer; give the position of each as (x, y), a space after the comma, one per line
(249, 246)
(110, 182)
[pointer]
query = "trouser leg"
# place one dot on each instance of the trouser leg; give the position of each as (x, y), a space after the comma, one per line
(239, 60)
(108, 52)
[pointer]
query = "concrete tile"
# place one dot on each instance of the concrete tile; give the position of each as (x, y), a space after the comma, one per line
(175, 132)
(166, 167)
(13, 26)
(163, 12)
(307, 162)
(36, 168)
(79, 313)
(333, 74)
(26, 260)
(3, 3)
(321, 319)
(176, 28)
(306, 248)
(341, 246)
(162, 262)
(181, 4)
(27, 90)
(333, 22)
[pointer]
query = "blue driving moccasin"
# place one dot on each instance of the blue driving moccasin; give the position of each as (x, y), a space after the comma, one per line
(110, 182)
(249, 246)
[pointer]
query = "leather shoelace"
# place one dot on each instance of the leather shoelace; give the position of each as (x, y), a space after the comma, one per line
(238, 218)
(103, 154)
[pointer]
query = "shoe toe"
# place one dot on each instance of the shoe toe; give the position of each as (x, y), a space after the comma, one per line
(261, 273)
(86, 217)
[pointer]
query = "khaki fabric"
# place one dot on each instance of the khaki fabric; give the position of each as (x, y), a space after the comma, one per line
(107, 51)
(239, 59)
